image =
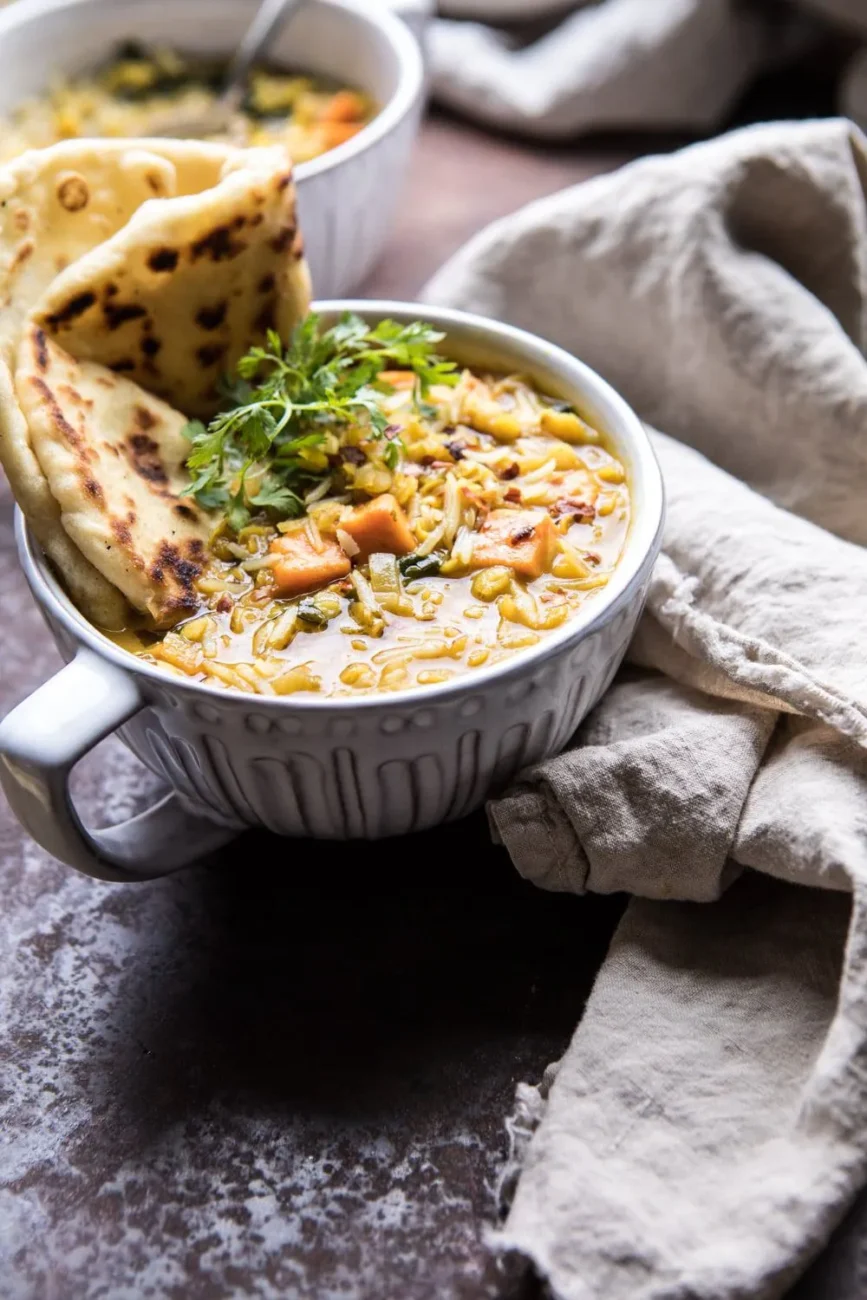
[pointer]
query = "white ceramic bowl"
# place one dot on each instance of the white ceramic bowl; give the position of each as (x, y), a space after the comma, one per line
(330, 768)
(346, 197)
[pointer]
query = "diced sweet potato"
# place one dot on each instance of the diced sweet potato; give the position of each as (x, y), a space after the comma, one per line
(380, 525)
(301, 567)
(345, 106)
(522, 539)
(335, 133)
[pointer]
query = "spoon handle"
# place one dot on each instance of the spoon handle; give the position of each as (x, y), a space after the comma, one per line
(271, 15)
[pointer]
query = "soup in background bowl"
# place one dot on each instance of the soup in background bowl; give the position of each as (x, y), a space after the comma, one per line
(371, 761)
(140, 90)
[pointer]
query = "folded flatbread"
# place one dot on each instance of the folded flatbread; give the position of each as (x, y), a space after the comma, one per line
(113, 458)
(161, 262)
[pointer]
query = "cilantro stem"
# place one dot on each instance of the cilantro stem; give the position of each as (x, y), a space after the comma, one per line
(322, 382)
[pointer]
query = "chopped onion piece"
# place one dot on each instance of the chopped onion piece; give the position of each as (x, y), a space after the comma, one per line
(318, 492)
(384, 574)
(432, 541)
(462, 551)
(364, 592)
(347, 542)
(314, 534)
(451, 509)
(259, 562)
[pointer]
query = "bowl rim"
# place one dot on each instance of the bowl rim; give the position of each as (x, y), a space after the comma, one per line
(642, 543)
(404, 46)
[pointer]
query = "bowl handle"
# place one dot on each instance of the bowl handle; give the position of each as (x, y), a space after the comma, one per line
(40, 742)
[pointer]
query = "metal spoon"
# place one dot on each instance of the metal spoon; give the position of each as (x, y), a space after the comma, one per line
(216, 118)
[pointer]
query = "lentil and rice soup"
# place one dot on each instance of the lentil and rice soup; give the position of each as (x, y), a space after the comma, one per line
(139, 89)
(441, 520)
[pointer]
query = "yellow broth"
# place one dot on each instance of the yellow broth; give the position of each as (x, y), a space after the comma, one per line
(140, 90)
(492, 446)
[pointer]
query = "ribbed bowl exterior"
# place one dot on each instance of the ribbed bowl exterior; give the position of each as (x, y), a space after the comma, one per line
(369, 773)
(346, 213)
(393, 762)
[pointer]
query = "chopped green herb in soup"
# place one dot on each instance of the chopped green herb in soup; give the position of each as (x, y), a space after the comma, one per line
(385, 519)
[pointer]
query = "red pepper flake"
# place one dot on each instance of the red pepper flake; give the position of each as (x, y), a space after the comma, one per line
(581, 512)
(513, 495)
(592, 557)
(522, 535)
(225, 604)
(511, 471)
(427, 461)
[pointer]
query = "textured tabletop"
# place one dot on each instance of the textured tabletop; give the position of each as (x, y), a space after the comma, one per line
(284, 1073)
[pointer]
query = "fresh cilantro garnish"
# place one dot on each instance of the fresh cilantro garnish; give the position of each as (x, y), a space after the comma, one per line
(392, 453)
(264, 450)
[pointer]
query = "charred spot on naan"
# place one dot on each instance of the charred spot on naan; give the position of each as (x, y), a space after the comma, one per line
(22, 253)
(175, 299)
(66, 409)
(219, 244)
(284, 238)
(40, 349)
(118, 313)
(69, 311)
(144, 457)
(212, 317)
(211, 354)
(93, 488)
(114, 457)
(73, 192)
(163, 259)
(55, 414)
(267, 317)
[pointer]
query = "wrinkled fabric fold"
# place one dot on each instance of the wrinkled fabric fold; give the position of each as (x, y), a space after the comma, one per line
(708, 1124)
(626, 64)
(708, 1167)
(677, 63)
(585, 822)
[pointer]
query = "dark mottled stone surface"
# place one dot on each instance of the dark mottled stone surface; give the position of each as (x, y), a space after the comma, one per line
(285, 1073)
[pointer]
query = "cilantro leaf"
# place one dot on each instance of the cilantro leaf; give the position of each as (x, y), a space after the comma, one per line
(284, 402)
(272, 496)
(392, 454)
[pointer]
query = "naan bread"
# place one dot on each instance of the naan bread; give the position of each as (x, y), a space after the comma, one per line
(56, 206)
(187, 285)
(113, 459)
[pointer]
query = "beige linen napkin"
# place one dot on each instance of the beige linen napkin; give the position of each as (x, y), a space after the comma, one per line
(708, 1124)
(610, 64)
